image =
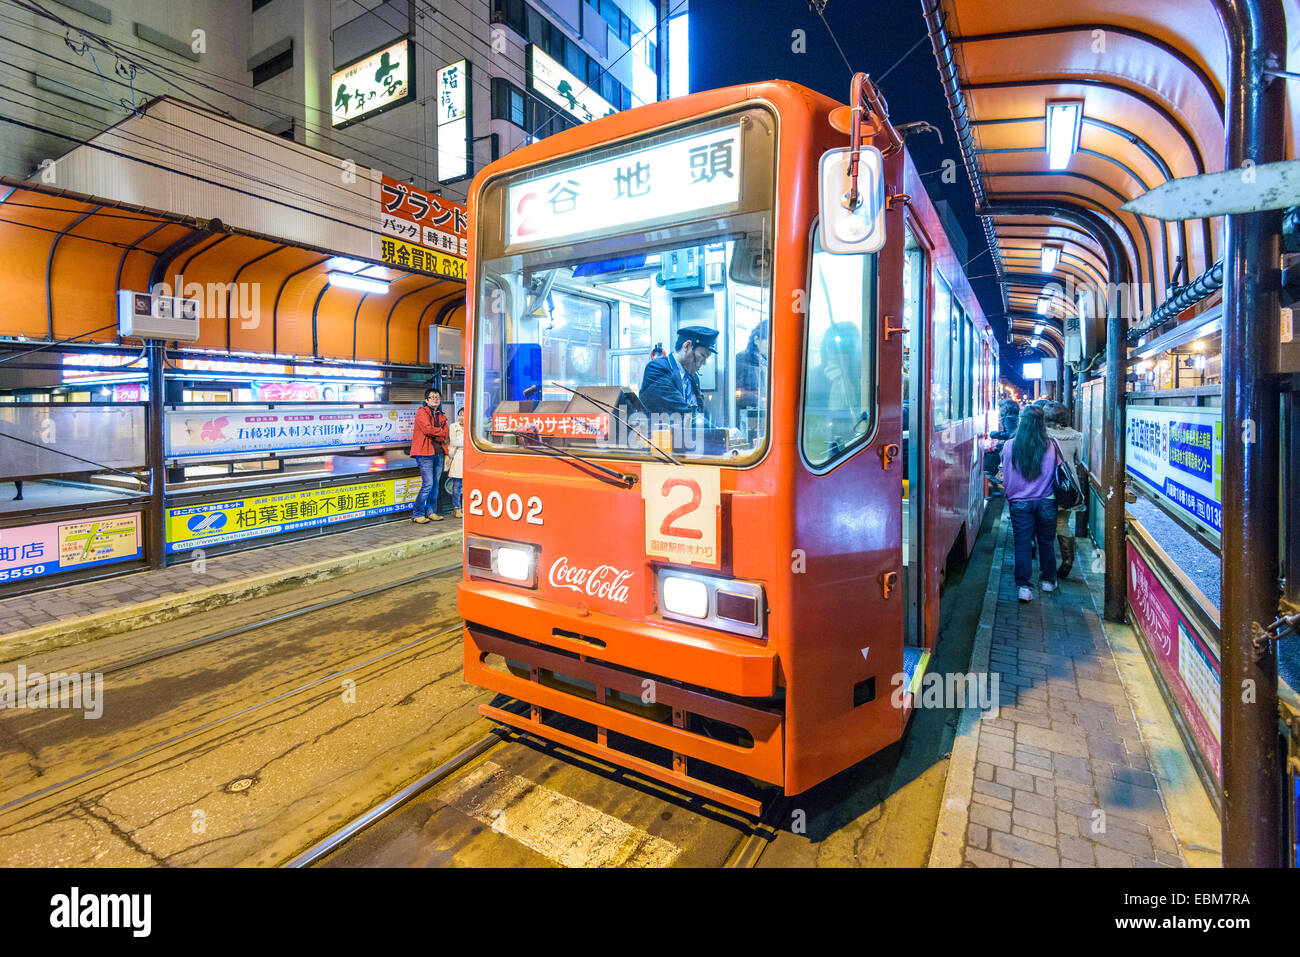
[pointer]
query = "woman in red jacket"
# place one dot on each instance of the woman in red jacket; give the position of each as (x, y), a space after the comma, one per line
(428, 446)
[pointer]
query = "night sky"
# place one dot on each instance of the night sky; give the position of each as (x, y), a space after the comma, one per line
(743, 41)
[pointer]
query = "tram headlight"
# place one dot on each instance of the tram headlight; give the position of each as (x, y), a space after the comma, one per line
(515, 563)
(512, 562)
(686, 596)
(712, 601)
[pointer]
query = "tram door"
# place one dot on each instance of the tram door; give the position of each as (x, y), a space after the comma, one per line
(915, 390)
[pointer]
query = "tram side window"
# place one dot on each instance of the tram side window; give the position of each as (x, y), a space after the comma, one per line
(839, 407)
(913, 305)
(941, 368)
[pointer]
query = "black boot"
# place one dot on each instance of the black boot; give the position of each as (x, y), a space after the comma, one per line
(1067, 555)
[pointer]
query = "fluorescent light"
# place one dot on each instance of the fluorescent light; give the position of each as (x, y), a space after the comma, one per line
(1063, 118)
(1038, 330)
(359, 283)
(686, 596)
(1051, 256)
(1042, 306)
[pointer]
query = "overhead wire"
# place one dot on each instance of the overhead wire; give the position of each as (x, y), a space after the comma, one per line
(140, 57)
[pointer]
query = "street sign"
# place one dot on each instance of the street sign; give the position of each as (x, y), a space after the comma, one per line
(1251, 189)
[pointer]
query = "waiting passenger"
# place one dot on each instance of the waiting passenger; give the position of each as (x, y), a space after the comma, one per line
(428, 446)
(1029, 473)
(1069, 441)
(672, 383)
(1008, 418)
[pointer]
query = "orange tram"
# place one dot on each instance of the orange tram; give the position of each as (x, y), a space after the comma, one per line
(743, 595)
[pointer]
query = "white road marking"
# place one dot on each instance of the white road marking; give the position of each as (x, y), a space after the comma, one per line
(555, 825)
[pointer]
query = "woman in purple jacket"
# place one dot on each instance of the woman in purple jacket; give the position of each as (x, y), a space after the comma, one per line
(1028, 469)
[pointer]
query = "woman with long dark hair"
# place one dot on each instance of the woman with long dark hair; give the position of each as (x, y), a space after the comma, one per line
(1028, 468)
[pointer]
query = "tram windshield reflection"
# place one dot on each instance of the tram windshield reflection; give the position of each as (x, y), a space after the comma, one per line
(564, 333)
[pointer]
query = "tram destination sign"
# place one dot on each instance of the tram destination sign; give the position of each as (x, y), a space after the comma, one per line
(692, 175)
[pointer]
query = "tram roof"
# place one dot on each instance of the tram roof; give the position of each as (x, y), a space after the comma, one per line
(1150, 78)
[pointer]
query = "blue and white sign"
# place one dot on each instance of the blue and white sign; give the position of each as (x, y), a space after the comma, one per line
(1178, 452)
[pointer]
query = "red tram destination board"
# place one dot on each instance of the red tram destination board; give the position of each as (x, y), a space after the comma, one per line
(570, 424)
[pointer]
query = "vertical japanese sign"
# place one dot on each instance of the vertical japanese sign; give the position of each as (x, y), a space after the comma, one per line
(455, 125)
(372, 84)
(683, 510)
(33, 551)
(422, 219)
(692, 174)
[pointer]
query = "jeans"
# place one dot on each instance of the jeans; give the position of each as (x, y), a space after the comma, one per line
(455, 492)
(1035, 518)
(430, 469)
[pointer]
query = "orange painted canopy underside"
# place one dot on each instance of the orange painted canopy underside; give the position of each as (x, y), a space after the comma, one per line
(1151, 76)
(66, 255)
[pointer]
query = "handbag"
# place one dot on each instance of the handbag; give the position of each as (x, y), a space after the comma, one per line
(1065, 484)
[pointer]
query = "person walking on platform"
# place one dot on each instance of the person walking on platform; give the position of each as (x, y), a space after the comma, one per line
(1069, 441)
(428, 446)
(455, 470)
(1008, 418)
(1029, 472)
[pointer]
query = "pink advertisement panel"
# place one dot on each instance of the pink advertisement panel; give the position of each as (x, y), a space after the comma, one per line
(1187, 661)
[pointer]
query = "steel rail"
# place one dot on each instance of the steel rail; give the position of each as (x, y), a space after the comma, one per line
(344, 834)
(17, 802)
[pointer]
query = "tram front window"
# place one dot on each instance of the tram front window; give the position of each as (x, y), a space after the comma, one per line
(563, 332)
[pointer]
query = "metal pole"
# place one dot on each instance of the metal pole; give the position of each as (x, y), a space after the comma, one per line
(1252, 773)
(157, 541)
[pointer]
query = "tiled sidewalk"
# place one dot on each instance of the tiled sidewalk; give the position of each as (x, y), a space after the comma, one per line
(93, 598)
(1061, 776)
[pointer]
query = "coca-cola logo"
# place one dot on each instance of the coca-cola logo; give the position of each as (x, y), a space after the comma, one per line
(603, 581)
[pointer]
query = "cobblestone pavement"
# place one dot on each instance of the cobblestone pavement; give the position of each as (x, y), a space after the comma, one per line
(75, 601)
(1062, 777)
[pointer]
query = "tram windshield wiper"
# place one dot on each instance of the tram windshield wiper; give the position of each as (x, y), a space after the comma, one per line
(622, 421)
(626, 479)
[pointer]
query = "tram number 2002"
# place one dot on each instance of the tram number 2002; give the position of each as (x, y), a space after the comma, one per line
(512, 505)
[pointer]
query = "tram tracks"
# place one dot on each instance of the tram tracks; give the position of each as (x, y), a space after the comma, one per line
(299, 667)
(752, 836)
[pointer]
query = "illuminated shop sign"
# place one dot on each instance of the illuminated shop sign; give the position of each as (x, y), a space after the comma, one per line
(375, 83)
(220, 433)
(564, 89)
(455, 125)
(1178, 452)
(694, 174)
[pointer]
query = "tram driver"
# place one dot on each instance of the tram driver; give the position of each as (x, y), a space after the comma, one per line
(671, 383)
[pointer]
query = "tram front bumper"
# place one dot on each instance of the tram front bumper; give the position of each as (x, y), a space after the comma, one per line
(735, 666)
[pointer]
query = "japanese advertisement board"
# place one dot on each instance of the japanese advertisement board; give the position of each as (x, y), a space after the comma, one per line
(414, 216)
(409, 256)
(564, 89)
(32, 551)
(1178, 451)
(216, 523)
(1187, 662)
(688, 175)
(561, 424)
(372, 84)
(219, 433)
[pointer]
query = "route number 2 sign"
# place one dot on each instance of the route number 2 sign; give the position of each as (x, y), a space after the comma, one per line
(683, 507)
